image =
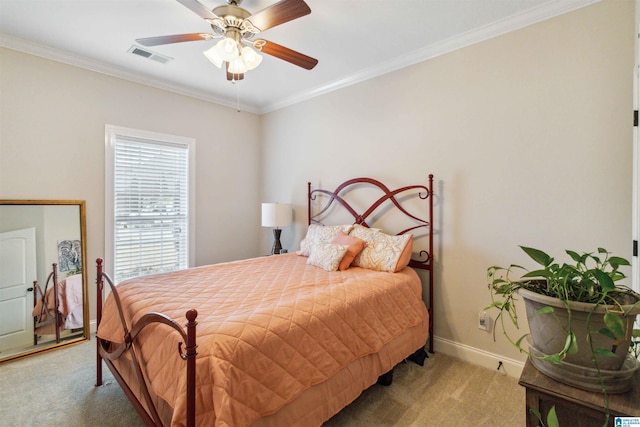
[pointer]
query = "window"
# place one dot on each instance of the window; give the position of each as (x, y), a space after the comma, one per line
(149, 214)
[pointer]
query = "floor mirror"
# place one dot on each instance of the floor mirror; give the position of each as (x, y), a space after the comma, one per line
(43, 276)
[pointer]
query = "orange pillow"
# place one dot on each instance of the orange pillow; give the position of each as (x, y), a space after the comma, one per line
(405, 256)
(355, 247)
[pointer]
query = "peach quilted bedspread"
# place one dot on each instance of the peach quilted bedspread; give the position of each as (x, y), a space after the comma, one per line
(268, 329)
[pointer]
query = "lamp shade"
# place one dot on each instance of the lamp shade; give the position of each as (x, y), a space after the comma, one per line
(250, 58)
(227, 49)
(276, 215)
(213, 56)
(237, 66)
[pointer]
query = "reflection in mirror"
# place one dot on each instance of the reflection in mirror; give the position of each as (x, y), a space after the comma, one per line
(43, 276)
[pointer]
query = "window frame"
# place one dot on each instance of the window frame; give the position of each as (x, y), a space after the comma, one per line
(111, 134)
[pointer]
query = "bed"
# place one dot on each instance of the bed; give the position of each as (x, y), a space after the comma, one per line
(287, 339)
(58, 306)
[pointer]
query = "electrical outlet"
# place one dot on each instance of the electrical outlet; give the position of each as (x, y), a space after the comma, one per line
(484, 321)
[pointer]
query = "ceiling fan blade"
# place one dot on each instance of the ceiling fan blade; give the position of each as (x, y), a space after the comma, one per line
(176, 38)
(200, 9)
(279, 13)
(286, 54)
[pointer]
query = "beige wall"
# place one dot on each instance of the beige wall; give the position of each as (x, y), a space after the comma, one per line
(529, 136)
(52, 137)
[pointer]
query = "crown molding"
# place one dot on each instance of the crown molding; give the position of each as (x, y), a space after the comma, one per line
(57, 55)
(546, 11)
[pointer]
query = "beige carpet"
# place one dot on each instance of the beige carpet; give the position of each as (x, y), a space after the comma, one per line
(57, 389)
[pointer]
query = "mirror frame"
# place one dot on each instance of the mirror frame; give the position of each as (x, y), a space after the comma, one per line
(85, 285)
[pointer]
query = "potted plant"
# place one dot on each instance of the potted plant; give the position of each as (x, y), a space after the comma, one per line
(580, 320)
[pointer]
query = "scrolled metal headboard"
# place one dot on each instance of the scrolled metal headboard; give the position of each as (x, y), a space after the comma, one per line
(388, 199)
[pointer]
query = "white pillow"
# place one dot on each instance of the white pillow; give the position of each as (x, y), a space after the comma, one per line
(320, 234)
(382, 252)
(327, 255)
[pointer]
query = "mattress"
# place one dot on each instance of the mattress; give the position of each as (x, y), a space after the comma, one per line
(280, 342)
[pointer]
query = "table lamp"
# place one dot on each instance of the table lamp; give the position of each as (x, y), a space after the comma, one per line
(276, 215)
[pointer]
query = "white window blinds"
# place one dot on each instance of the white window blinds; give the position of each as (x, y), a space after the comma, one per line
(151, 207)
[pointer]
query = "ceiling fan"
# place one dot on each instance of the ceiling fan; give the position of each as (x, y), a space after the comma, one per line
(236, 28)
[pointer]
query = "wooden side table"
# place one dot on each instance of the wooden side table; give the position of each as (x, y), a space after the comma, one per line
(575, 407)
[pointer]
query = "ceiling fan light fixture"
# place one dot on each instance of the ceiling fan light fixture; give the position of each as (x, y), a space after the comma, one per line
(236, 27)
(237, 66)
(213, 56)
(227, 49)
(251, 58)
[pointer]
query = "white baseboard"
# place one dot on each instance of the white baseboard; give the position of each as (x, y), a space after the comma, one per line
(478, 357)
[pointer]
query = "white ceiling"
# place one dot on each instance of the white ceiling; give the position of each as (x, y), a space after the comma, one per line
(353, 40)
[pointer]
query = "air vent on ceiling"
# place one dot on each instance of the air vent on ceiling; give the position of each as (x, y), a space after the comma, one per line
(149, 55)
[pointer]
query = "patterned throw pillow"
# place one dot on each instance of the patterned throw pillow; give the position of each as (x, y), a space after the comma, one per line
(383, 252)
(320, 234)
(327, 255)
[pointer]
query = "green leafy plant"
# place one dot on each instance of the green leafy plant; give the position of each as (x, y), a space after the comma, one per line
(552, 418)
(590, 278)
